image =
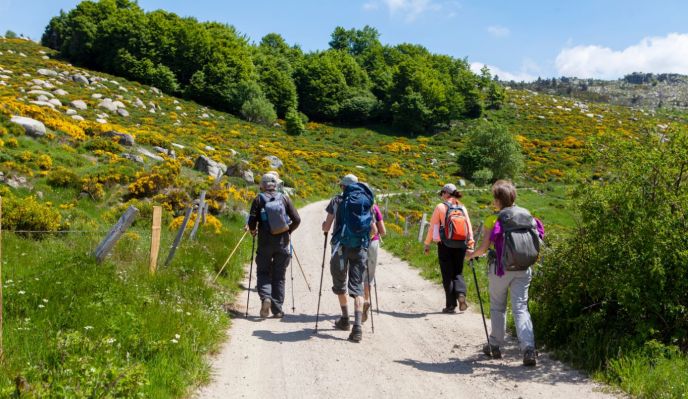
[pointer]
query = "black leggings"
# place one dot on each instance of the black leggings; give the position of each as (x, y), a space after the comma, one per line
(451, 266)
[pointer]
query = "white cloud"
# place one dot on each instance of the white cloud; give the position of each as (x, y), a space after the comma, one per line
(409, 9)
(498, 31)
(668, 54)
(525, 74)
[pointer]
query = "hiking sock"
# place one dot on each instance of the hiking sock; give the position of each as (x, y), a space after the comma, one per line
(345, 312)
(357, 317)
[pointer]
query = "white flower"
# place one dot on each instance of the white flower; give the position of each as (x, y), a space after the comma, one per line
(45, 300)
(88, 328)
(177, 336)
(22, 292)
(174, 341)
(41, 306)
(110, 341)
(188, 313)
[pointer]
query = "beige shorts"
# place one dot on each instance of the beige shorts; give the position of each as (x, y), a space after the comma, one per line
(372, 262)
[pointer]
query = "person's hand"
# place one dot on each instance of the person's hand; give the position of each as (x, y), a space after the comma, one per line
(469, 254)
(426, 249)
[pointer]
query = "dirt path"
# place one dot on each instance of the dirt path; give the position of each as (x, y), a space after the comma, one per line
(415, 352)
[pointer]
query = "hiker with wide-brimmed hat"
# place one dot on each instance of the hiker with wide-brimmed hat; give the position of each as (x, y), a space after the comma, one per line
(450, 228)
(273, 217)
(350, 213)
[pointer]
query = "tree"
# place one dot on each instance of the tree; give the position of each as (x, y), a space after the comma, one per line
(10, 34)
(294, 123)
(490, 146)
(258, 110)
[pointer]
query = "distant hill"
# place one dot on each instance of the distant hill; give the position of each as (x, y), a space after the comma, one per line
(641, 90)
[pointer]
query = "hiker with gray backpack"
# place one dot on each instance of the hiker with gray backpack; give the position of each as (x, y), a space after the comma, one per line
(350, 212)
(273, 218)
(513, 237)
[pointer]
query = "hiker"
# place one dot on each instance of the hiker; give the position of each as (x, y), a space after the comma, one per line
(350, 212)
(450, 228)
(509, 264)
(377, 231)
(273, 217)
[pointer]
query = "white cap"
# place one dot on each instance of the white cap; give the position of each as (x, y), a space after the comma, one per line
(348, 179)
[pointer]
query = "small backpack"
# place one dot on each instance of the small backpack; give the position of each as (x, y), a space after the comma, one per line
(354, 216)
(455, 230)
(521, 245)
(274, 213)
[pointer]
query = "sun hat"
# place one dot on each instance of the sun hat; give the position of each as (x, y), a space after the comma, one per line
(448, 188)
(268, 181)
(348, 179)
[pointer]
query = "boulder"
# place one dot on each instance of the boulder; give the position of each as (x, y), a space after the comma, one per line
(70, 112)
(32, 127)
(43, 104)
(79, 104)
(122, 112)
(207, 165)
(169, 153)
(149, 154)
(96, 96)
(78, 118)
(209, 148)
(55, 102)
(42, 98)
(101, 121)
(60, 92)
(81, 79)
(132, 157)
(41, 93)
(108, 105)
(118, 104)
(123, 138)
(38, 82)
(139, 104)
(247, 175)
(275, 163)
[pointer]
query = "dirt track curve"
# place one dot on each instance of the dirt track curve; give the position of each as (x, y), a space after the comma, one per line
(415, 352)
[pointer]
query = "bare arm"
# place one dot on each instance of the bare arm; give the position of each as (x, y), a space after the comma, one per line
(381, 228)
(484, 245)
(327, 224)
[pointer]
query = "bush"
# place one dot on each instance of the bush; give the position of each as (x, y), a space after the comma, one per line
(259, 110)
(620, 279)
(63, 177)
(294, 122)
(29, 214)
(482, 176)
(490, 146)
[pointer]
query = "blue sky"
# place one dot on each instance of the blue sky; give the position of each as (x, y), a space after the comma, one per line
(517, 39)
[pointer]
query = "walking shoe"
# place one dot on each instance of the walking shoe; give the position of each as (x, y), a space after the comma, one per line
(265, 308)
(366, 307)
(449, 309)
(529, 357)
(496, 353)
(462, 302)
(356, 334)
(278, 315)
(342, 324)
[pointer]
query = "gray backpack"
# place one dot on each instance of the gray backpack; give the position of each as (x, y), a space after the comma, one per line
(274, 213)
(521, 246)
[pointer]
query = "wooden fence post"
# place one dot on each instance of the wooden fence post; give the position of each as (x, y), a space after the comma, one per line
(386, 206)
(179, 236)
(115, 233)
(421, 230)
(205, 213)
(155, 238)
(406, 223)
(2, 348)
(199, 211)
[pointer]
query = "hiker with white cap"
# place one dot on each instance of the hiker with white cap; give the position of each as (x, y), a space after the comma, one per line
(273, 217)
(350, 212)
(450, 228)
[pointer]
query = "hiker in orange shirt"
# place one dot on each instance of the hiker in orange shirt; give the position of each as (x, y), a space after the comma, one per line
(450, 228)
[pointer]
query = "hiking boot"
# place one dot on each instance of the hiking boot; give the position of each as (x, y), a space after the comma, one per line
(265, 308)
(342, 324)
(356, 334)
(449, 309)
(278, 315)
(496, 353)
(529, 357)
(462, 302)
(366, 307)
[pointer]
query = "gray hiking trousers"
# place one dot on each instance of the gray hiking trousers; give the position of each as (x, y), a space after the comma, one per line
(516, 283)
(272, 260)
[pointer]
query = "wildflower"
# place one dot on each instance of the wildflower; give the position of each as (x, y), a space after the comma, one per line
(177, 336)
(88, 328)
(174, 341)
(22, 292)
(45, 300)
(41, 306)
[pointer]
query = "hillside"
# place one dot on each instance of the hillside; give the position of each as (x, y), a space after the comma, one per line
(109, 143)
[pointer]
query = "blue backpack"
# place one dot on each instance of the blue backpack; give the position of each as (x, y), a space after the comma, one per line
(354, 216)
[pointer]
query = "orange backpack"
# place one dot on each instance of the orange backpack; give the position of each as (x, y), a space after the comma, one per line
(454, 233)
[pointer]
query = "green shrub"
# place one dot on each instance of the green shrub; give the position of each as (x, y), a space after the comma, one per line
(491, 146)
(620, 279)
(482, 176)
(63, 177)
(258, 110)
(29, 214)
(294, 122)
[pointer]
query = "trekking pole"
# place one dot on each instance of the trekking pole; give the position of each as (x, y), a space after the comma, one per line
(477, 289)
(291, 267)
(298, 262)
(250, 273)
(322, 273)
(230, 256)
(377, 302)
(372, 322)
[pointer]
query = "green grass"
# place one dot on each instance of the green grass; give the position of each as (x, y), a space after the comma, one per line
(79, 329)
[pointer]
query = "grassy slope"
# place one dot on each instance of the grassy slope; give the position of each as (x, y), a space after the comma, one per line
(135, 318)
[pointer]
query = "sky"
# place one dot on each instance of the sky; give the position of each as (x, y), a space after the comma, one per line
(519, 40)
